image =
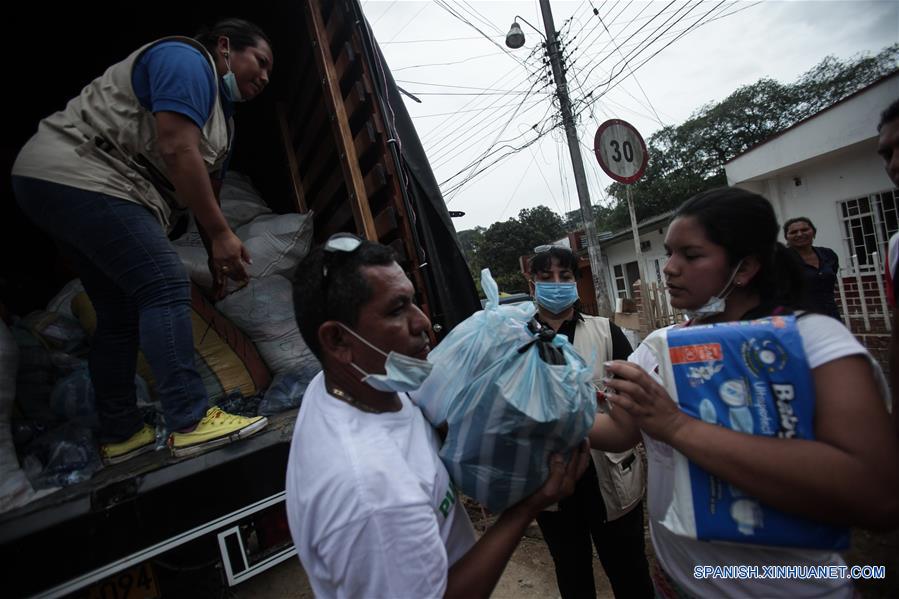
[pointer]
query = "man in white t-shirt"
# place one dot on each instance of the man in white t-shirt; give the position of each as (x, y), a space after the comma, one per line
(370, 505)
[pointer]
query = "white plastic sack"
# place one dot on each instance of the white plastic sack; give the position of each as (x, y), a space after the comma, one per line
(276, 244)
(62, 301)
(509, 399)
(263, 310)
(15, 490)
(241, 202)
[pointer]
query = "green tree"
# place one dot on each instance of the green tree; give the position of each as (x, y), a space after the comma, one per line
(690, 158)
(505, 242)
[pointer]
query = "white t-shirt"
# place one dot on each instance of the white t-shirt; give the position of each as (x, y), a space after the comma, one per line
(371, 509)
(824, 339)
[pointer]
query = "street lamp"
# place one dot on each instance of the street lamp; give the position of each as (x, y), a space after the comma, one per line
(515, 37)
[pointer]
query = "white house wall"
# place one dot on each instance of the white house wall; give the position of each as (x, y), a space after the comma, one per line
(622, 251)
(847, 123)
(847, 174)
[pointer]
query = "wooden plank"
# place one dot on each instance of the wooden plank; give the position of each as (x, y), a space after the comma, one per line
(336, 222)
(310, 139)
(344, 64)
(385, 221)
(365, 139)
(335, 27)
(329, 193)
(349, 161)
(319, 161)
(375, 180)
(293, 171)
(356, 103)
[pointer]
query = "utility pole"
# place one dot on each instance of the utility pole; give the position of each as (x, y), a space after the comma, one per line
(596, 265)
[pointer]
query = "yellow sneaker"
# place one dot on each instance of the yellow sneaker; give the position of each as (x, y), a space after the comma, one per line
(216, 428)
(140, 442)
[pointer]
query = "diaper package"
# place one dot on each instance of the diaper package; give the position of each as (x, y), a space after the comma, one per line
(751, 377)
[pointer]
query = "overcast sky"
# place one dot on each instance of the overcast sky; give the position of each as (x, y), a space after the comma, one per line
(481, 100)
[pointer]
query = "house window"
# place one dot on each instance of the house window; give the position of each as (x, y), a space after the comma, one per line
(625, 276)
(867, 223)
(620, 282)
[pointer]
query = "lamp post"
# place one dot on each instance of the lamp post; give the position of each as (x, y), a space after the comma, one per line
(515, 39)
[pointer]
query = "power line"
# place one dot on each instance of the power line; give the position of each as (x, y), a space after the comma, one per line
(684, 32)
(445, 39)
(477, 122)
(496, 139)
(658, 118)
(488, 89)
(386, 10)
(428, 116)
(444, 64)
(409, 21)
(442, 4)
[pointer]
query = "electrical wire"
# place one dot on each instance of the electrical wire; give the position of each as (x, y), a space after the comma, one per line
(442, 4)
(443, 64)
(415, 16)
(496, 139)
(683, 33)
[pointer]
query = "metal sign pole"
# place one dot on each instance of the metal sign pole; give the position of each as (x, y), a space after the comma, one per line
(644, 282)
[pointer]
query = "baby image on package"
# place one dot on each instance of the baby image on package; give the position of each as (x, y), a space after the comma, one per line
(751, 377)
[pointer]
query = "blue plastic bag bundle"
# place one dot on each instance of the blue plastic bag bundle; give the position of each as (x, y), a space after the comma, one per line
(61, 457)
(511, 394)
(73, 398)
(751, 377)
(285, 392)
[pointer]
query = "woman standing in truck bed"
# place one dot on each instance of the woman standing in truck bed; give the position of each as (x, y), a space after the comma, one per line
(107, 177)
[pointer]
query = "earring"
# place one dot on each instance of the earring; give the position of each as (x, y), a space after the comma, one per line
(226, 54)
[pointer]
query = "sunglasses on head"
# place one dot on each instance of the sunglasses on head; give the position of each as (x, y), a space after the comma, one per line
(343, 243)
(544, 248)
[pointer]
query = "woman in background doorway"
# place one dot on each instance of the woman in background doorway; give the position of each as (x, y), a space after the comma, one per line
(820, 265)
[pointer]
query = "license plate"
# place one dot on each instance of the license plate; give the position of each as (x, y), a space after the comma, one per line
(135, 583)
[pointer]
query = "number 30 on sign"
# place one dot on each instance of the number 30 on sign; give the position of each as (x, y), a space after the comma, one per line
(620, 150)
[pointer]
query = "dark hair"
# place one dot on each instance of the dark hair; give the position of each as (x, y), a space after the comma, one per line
(564, 256)
(798, 219)
(239, 32)
(889, 115)
(348, 289)
(744, 224)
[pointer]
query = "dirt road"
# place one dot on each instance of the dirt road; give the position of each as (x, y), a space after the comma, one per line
(530, 573)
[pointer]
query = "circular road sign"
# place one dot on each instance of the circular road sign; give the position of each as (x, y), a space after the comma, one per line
(620, 150)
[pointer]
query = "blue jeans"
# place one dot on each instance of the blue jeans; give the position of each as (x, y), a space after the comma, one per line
(141, 293)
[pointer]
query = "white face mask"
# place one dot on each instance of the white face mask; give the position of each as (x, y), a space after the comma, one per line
(715, 304)
(403, 373)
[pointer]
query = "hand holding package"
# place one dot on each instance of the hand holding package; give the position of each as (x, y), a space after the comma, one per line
(510, 395)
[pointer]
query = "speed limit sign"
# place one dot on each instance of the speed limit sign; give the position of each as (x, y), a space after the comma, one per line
(620, 151)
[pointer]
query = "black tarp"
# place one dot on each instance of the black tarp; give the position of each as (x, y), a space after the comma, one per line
(451, 288)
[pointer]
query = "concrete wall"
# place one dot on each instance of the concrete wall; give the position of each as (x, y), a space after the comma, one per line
(854, 172)
(847, 123)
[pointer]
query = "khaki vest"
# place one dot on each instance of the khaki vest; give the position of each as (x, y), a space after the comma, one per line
(620, 474)
(105, 141)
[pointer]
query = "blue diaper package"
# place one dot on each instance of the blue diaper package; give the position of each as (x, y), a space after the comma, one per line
(751, 377)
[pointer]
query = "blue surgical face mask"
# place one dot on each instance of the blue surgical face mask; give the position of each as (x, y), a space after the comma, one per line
(555, 297)
(232, 91)
(403, 373)
(715, 304)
